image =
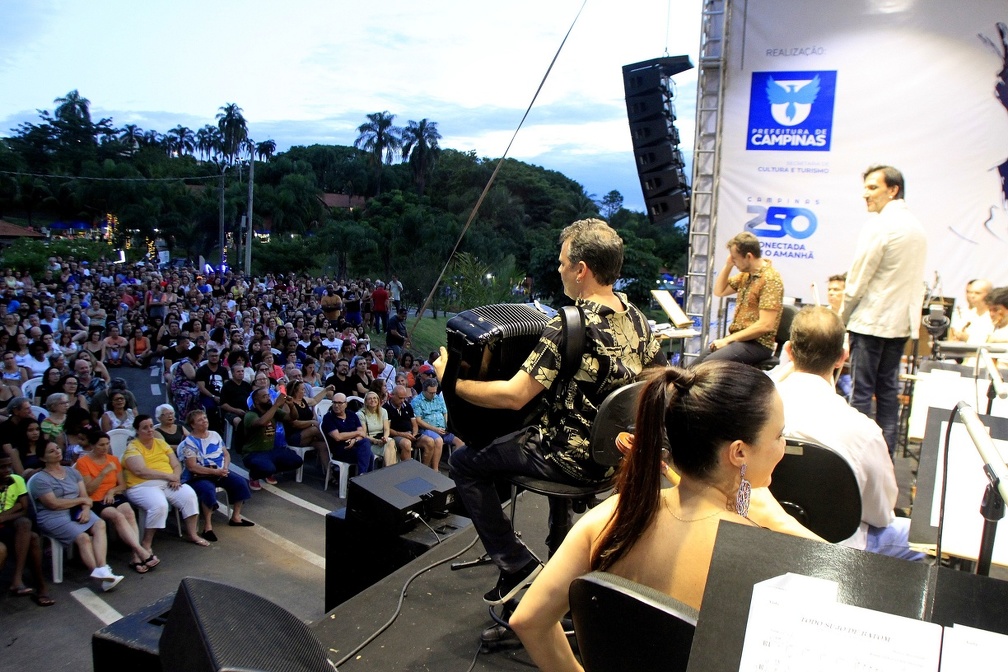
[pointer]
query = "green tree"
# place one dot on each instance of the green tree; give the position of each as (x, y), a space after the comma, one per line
(420, 148)
(181, 140)
(611, 204)
(73, 107)
(234, 132)
(381, 140)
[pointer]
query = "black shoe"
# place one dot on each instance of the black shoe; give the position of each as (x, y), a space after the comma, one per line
(510, 583)
(209, 535)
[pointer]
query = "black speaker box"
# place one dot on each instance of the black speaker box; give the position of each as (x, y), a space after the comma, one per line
(386, 497)
(652, 132)
(671, 206)
(131, 643)
(658, 156)
(663, 181)
(213, 626)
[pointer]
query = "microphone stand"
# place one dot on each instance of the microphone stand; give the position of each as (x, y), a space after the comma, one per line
(993, 504)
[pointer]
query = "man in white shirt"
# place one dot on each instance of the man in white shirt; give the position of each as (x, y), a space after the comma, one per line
(973, 324)
(883, 297)
(815, 412)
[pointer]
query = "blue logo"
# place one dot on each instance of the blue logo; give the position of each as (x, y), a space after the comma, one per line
(791, 111)
(777, 222)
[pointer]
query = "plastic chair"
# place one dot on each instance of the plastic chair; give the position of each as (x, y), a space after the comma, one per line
(818, 487)
(39, 413)
(622, 625)
(321, 409)
(119, 439)
(30, 386)
(56, 549)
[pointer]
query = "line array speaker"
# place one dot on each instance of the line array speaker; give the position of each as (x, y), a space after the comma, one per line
(651, 114)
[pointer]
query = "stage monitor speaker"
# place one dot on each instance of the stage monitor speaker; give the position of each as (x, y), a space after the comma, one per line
(213, 626)
(387, 497)
(650, 111)
(131, 643)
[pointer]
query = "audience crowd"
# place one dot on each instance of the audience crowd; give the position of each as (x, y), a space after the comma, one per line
(246, 363)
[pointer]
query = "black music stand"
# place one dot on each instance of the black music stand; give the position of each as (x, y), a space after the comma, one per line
(932, 449)
(744, 556)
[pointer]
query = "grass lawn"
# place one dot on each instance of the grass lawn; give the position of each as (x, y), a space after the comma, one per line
(428, 336)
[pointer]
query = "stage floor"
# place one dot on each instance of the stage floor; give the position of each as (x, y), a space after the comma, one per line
(443, 614)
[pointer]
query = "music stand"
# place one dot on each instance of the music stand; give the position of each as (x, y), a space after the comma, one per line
(966, 485)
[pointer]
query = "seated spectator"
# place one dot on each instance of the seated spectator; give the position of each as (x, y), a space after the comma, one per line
(234, 400)
(361, 376)
(139, 353)
(347, 438)
(210, 378)
(728, 422)
(38, 360)
(63, 511)
(154, 481)
(167, 428)
(273, 370)
(301, 427)
(26, 448)
(105, 484)
(99, 403)
(432, 416)
(12, 374)
(375, 420)
(95, 345)
(50, 383)
(206, 466)
(52, 425)
(116, 346)
(119, 415)
(17, 536)
(403, 427)
(263, 456)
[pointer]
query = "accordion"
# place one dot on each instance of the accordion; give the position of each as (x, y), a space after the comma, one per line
(491, 343)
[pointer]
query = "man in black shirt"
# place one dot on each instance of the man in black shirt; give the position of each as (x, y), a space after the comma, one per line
(403, 427)
(210, 379)
(234, 396)
(340, 380)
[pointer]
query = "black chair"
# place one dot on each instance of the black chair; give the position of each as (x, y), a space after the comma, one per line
(788, 313)
(616, 414)
(818, 487)
(621, 625)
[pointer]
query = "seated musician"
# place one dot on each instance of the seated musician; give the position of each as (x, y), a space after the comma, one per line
(725, 423)
(619, 344)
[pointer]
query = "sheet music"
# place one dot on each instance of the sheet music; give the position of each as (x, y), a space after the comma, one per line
(967, 649)
(795, 626)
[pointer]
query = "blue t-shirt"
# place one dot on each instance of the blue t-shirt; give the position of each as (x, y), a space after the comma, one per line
(432, 412)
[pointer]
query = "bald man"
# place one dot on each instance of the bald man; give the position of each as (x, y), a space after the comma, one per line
(973, 324)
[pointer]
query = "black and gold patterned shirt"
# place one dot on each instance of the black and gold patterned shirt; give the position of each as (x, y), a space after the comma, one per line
(618, 345)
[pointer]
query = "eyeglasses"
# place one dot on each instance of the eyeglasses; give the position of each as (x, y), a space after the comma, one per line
(339, 403)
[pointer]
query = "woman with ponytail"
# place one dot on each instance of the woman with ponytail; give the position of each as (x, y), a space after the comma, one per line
(720, 427)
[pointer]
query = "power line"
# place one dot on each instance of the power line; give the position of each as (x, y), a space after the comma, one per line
(111, 179)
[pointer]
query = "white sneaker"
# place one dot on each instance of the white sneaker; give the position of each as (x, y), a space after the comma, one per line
(104, 573)
(110, 583)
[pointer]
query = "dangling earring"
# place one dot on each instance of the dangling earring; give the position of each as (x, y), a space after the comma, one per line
(742, 497)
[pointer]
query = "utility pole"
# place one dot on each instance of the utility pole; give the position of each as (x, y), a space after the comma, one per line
(248, 229)
(220, 238)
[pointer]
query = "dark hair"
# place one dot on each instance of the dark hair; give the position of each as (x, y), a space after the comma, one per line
(95, 436)
(42, 445)
(891, 177)
(695, 412)
(745, 243)
(139, 419)
(839, 277)
(998, 297)
(817, 336)
(596, 244)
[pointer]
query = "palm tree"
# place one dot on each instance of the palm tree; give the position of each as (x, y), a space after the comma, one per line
(152, 139)
(420, 148)
(208, 141)
(183, 139)
(131, 135)
(379, 138)
(265, 150)
(73, 107)
(234, 131)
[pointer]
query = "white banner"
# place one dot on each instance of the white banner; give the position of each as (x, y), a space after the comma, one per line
(816, 92)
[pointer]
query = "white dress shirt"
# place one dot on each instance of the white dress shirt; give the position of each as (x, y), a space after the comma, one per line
(815, 412)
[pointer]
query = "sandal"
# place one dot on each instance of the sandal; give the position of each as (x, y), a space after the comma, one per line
(21, 591)
(152, 562)
(199, 541)
(139, 567)
(43, 600)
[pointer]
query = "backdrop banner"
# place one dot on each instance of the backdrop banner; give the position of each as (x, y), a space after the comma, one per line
(817, 92)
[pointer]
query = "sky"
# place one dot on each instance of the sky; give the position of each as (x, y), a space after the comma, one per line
(309, 71)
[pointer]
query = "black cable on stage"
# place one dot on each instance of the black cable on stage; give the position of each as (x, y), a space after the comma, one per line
(402, 596)
(493, 177)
